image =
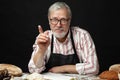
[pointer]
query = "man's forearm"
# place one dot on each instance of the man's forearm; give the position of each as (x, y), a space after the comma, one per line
(38, 58)
(70, 68)
(64, 69)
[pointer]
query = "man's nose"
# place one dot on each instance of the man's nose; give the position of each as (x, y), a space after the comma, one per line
(59, 23)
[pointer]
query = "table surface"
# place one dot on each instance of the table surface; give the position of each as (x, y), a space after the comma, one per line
(59, 76)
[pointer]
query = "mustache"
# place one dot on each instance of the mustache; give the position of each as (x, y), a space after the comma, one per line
(58, 28)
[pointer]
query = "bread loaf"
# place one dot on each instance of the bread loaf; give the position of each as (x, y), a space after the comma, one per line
(4, 75)
(109, 75)
(115, 67)
(12, 69)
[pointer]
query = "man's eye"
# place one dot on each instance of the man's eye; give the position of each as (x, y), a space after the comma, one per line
(55, 20)
(63, 19)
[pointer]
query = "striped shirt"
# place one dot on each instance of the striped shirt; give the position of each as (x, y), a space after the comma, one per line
(85, 49)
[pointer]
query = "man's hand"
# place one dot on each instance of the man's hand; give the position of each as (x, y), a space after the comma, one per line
(64, 69)
(57, 69)
(42, 40)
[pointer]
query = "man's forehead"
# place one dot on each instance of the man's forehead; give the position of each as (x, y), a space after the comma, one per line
(59, 13)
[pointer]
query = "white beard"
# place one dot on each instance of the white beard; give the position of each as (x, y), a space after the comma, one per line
(59, 35)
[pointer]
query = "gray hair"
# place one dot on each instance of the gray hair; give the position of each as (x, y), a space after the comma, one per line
(59, 5)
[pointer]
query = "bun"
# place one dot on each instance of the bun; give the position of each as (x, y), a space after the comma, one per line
(12, 69)
(109, 75)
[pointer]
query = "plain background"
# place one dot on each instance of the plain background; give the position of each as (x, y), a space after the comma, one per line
(19, 20)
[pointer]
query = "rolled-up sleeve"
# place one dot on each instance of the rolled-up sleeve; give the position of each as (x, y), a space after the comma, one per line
(89, 63)
(31, 65)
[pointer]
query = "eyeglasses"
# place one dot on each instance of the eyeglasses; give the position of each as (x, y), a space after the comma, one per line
(55, 21)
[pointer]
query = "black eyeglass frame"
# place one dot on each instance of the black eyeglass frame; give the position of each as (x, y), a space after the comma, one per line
(55, 21)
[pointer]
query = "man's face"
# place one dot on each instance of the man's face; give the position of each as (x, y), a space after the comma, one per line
(59, 22)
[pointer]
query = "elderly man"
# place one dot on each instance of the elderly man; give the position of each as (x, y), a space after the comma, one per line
(63, 49)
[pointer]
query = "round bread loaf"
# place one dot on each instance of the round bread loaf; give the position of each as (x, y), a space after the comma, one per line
(109, 75)
(12, 69)
(115, 67)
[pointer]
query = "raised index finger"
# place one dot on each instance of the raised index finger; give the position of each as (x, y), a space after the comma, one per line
(40, 29)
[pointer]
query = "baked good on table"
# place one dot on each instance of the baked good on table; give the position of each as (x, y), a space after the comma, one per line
(13, 70)
(4, 75)
(109, 75)
(115, 67)
(34, 76)
(119, 75)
